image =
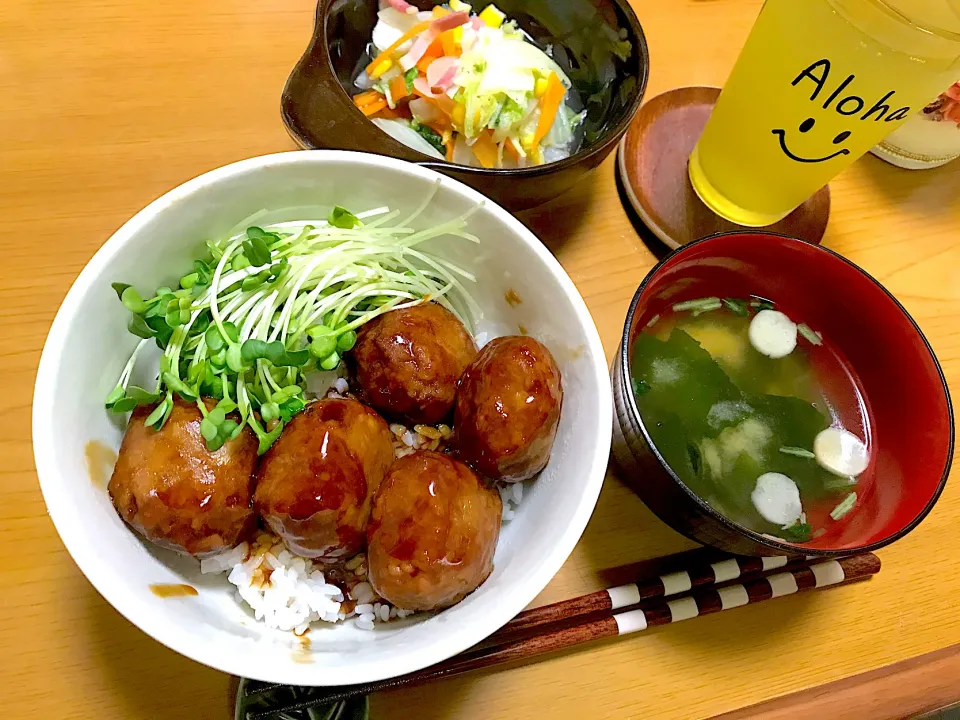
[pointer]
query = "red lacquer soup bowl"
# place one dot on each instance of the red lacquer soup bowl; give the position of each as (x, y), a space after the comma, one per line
(903, 391)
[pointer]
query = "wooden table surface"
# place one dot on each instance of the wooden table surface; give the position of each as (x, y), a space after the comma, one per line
(106, 104)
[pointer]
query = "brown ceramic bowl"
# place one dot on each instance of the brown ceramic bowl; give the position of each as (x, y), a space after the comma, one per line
(319, 113)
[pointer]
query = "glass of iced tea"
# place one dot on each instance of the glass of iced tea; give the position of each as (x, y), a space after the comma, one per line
(818, 84)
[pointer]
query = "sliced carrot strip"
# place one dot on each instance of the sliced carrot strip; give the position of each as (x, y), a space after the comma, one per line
(549, 105)
(398, 89)
(512, 149)
(365, 98)
(385, 55)
(401, 111)
(374, 107)
(448, 40)
(439, 12)
(486, 150)
(434, 50)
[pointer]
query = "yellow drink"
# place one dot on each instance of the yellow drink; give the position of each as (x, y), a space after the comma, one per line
(818, 83)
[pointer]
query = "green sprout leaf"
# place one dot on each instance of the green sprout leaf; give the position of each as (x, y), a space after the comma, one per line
(132, 301)
(346, 341)
(139, 327)
(208, 429)
(124, 405)
(290, 407)
(342, 218)
(189, 280)
(330, 362)
(235, 358)
(254, 349)
(141, 396)
(213, 338)
(159, 413)
(119, 288)
(179, 386)
(115, 396)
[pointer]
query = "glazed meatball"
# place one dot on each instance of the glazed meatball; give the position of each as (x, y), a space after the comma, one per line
(408, 362)
(433, 532)
(174, 491)
(508, 408)
(317, 481)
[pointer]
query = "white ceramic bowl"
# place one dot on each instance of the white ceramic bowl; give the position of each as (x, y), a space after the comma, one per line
(88, 345)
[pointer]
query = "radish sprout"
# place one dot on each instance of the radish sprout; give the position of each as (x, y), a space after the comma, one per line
(271, 304)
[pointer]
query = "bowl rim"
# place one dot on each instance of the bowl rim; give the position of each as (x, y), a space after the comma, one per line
(611, 137)
(706, 508)
(456, 639)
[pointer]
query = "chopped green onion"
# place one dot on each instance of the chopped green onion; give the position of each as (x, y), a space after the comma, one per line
(835, 482)
(797, 452)
(761, 304)
(798, 533)
(699, 305)
(845, 506)
(640, 387)
(737, 307)
(813, 337)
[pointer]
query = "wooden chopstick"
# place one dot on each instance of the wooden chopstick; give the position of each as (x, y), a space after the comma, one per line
(699, 575)
(702, 601)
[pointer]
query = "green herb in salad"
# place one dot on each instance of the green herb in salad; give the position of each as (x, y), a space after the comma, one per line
(430, 135)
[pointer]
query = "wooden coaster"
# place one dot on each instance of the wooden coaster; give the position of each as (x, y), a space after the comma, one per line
(653, 167)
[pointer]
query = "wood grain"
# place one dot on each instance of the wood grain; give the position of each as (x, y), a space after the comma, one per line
(109, 103)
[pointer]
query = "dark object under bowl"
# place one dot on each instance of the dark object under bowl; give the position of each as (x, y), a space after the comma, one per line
(319, 113)
(905, 390)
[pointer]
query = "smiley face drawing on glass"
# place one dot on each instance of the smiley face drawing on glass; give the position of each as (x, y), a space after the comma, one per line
(841, 107)
(805, 127)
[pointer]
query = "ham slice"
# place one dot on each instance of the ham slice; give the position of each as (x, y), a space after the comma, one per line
(442, 24)
(441, 73)
(402, 6)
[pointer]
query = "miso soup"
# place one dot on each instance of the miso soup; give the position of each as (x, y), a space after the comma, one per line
(755, 413)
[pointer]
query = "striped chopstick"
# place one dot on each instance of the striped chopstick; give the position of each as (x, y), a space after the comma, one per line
(699, 575)
(554, 636)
